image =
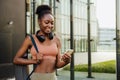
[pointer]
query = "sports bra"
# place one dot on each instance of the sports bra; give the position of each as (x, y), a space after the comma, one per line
(46, 50)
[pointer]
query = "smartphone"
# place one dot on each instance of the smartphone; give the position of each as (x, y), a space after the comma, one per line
(70, 51)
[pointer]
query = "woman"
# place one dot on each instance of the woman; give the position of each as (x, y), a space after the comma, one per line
(48, 45)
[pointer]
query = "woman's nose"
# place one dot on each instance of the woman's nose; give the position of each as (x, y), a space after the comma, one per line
(50, 25)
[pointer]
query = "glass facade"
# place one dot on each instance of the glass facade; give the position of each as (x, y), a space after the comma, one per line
(61, 12)
(106, 40)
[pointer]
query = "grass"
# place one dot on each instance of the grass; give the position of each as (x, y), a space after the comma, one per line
(102, 67)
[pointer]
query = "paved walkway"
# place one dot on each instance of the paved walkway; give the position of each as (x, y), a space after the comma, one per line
(65, 75)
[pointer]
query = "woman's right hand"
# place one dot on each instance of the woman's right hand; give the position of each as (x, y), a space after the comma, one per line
(39, 58)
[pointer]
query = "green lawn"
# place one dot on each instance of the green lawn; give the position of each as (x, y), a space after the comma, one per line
(102, 67)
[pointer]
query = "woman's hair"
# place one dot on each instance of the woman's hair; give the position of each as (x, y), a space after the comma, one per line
(42, 10)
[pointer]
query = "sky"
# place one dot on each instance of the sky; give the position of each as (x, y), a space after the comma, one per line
(105, 11)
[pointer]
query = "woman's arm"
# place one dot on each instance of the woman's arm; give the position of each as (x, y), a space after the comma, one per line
(61, 60)
(18, 57)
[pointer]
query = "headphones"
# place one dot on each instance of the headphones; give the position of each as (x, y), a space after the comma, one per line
(41, 38)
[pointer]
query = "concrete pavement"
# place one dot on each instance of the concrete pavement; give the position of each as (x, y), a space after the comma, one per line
(65, 75)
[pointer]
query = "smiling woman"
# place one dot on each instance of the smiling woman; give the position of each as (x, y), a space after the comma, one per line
(48, 57)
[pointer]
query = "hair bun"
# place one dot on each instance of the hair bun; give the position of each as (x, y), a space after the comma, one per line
(43, 8)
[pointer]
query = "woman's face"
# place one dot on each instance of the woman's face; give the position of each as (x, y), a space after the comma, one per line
(46, 23)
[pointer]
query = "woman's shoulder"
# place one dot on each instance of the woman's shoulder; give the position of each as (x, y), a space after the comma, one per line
(57, 36)
(57, 39)
(28, 38)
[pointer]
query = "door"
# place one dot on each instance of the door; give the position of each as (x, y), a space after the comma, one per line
(12, 33)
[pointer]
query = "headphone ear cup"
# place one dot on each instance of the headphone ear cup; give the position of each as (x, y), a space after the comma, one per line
(40, 38)
(51, 36)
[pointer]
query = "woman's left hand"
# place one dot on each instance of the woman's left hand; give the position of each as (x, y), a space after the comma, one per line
(66, 57)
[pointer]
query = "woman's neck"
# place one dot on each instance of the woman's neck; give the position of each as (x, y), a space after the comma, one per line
(42, 33)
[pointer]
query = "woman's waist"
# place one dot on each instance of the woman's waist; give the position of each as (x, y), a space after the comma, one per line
(43, 73)
(44, 76)
(46, 67)
(42, 69)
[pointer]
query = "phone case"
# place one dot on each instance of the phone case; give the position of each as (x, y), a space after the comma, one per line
(70, 51)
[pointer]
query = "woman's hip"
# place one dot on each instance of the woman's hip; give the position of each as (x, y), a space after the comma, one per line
(43, 76)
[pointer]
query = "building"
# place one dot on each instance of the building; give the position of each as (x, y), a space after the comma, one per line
(106, 40)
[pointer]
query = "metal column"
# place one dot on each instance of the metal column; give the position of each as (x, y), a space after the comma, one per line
(71, 41)
(118, 38)
(34, 7)
(89, 41)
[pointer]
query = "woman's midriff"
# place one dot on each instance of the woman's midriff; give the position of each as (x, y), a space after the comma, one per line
(47, 65)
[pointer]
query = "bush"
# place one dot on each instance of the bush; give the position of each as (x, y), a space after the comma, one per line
(102, 67)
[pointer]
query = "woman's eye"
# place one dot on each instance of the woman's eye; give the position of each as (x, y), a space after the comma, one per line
(52, 23)
(46, 22)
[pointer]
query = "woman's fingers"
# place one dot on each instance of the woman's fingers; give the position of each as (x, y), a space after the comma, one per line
(66, 57)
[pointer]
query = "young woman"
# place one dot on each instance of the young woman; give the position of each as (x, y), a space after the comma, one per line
(49, 57)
